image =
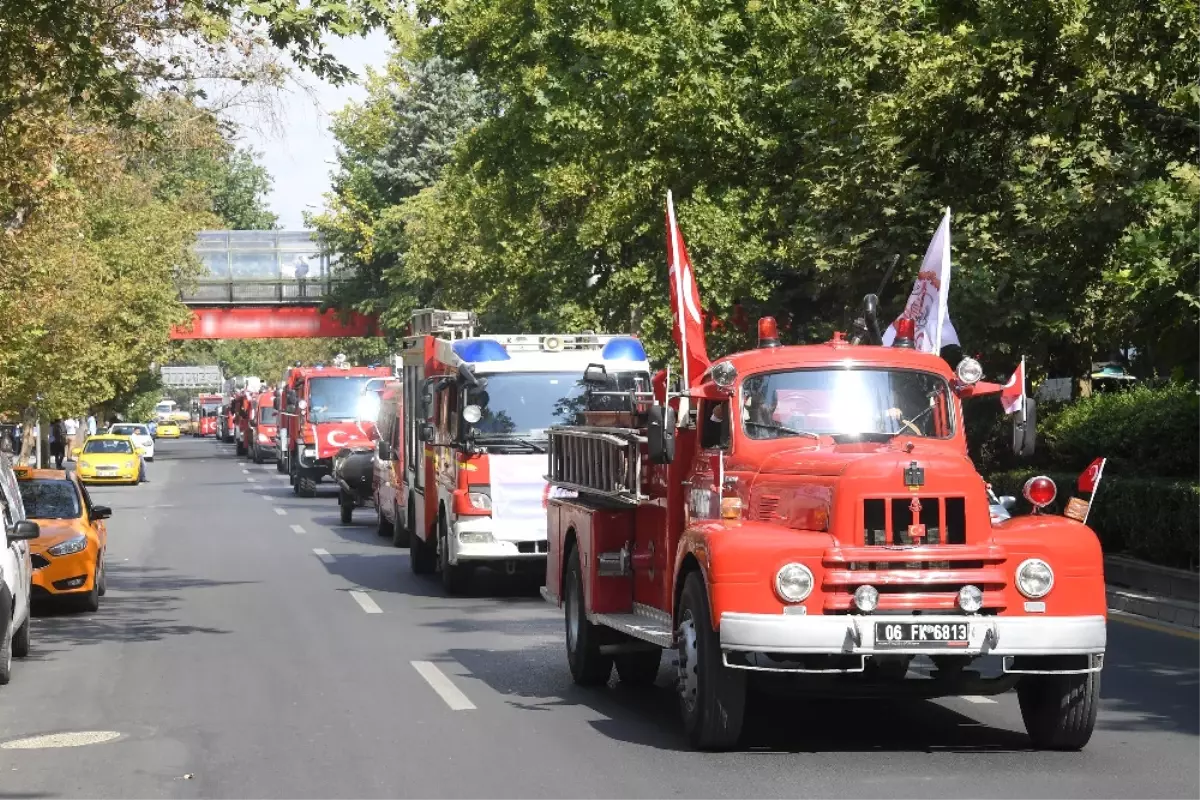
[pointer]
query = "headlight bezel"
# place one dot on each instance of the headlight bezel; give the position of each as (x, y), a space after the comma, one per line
(793, 567)
(1031, 562)
(69, 547)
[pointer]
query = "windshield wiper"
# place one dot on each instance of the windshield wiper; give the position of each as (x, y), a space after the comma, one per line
(781, 428)
(508, 438)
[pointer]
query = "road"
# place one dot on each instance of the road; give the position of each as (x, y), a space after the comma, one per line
(252, 646)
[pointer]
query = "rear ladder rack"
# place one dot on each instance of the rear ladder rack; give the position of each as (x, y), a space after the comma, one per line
(602, 462)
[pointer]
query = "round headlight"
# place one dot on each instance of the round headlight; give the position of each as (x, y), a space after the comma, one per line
(970, 599)
(1035, 578)
(969, 371)
(793, 583)
(866, 598)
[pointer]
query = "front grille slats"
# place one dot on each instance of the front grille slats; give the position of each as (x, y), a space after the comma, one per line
(886, 521)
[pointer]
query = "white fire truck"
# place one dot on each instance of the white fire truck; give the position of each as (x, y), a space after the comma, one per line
(474, 491)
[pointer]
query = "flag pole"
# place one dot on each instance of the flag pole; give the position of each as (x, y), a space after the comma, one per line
(1095, 489)
(1024, 399)
(942, 290)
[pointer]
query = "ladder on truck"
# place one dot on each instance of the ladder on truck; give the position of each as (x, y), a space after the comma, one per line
(600, 462)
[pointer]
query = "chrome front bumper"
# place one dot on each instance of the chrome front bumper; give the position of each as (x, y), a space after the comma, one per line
(498, 549)
(846, 634)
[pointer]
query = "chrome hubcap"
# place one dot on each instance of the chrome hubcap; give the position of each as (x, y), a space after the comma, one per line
(688, 671)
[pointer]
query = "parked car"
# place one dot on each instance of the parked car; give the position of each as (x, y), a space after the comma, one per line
(16, 572)
(139, 433)
(68, 556)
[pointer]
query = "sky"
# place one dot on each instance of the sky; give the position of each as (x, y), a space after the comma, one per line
(299, 151)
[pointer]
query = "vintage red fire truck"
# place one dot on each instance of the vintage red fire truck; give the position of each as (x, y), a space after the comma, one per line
(207, 407)
(322, 414)
(474, 487)
(263, 434)
(813, 522)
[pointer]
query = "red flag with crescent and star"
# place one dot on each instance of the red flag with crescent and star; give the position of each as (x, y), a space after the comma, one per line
(688, 330)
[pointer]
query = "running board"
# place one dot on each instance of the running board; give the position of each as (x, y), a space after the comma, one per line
(639, 626)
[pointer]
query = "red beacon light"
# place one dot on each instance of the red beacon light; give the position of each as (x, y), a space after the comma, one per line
(1040, 491)
(768, 332)
(906, 332)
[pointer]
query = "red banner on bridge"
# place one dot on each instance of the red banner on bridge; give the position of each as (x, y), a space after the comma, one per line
(287, 322)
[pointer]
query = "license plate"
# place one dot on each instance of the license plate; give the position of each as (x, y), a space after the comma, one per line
(921, 634)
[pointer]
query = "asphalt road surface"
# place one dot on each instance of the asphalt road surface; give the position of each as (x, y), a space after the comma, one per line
(252, 646)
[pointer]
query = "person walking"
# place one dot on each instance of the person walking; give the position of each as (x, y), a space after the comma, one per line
(91, 425)
(57, 442)
(71, 429)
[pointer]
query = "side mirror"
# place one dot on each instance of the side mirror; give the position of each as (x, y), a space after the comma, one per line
(660, 434)
(101, 512)
(427, 432)
(23, 530)
(1007, 501)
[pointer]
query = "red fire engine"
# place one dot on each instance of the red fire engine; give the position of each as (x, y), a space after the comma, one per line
(814, 518)
(474, 487)
(262, 436)
(208, 406)
(241, 409)
(322, 414)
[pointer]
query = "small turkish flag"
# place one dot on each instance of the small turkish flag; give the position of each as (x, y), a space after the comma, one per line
(1090, 478)
(1012, 396)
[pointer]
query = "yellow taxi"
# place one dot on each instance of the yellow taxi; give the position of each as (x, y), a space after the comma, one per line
(109, 458)
(68, 557)
(168, 430)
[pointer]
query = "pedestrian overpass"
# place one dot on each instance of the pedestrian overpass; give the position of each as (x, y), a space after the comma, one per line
(266, 284)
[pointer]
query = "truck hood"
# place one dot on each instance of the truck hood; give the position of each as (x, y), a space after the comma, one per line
(862, 459)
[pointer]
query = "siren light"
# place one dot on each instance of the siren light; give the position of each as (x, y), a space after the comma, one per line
(768, 332)
(906, 331)
(1040, 491)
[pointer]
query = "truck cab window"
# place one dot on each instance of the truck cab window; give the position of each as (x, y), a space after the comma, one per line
(714, 425)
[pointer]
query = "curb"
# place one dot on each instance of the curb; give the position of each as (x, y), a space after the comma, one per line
(1176, 612)
(1141, 577)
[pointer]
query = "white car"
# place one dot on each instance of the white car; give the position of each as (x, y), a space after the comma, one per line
(16, 572)
(139, 433)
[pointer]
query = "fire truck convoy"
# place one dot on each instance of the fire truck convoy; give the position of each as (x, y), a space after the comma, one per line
(472, 455)
(321, 413)
(207, 407)
(803, 517)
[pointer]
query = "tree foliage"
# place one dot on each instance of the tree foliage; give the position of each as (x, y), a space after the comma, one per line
(807, 144)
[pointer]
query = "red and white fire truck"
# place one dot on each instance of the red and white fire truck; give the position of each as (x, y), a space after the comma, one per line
(207, 407)
(263, 432)
(474, 488)
(322, 414)
(812, 521)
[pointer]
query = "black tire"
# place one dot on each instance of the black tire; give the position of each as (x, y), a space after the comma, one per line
(383, 527)
(90, 602)
(454, 576)
(103, 577)
(345, 507)
(150, 459)
(20, 639)
(281, 463)
(258, 456)
(422, 556)
(240, 448)
(589, 667)
(5, 638)
(712, 697)
(1059, 710)
(638, 669)
(401, 533)
(305, 486)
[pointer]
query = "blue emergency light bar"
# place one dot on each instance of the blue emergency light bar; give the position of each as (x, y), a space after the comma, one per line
(477, 351)
(624, 348)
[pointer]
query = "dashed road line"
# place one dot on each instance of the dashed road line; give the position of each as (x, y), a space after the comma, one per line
(323, 554)
(977, 699)
(298, 529)
(252, 480)
(280, 511)
(246, 472)
(441, 684)
(366, 602)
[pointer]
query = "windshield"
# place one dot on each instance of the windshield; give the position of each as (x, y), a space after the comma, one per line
(163, 408)
(847, 401)
(209, 409)
(108, 446)
(524, 404)
(131, 430)
(50, 499)
(334, 399)
(268, 416)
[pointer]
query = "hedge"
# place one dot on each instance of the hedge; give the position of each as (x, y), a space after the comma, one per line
(1154, 519)
(1142, 431)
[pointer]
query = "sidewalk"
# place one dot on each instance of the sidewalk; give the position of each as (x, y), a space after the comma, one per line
(1166, 595)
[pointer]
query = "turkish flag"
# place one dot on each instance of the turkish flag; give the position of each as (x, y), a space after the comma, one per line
(1012, 396)
(688, 330)
(1090, 478)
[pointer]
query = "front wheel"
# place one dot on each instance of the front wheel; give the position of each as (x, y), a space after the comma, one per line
(383, 527)
(454, 576)
(345, 507)
(1059, 710)
(258, 456)
(306, 486)
(90, 602)
(712, 697)
(589, 667)
(400, 533)
(20, 639)
(422, 557)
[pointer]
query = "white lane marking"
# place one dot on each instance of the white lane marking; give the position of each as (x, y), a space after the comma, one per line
(298, 529)
(323, 554)
(251, 480)
(245, 472)
(266, 497)
(365, 601)
(443, 686)
(977, 699)
(70, 739)
(280, 511)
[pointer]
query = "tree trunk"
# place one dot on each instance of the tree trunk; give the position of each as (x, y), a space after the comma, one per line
(28, 435)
